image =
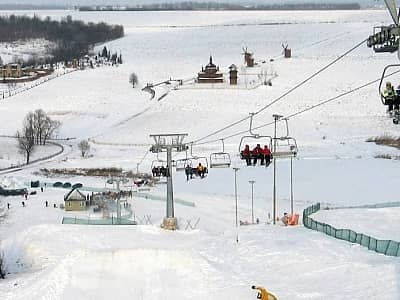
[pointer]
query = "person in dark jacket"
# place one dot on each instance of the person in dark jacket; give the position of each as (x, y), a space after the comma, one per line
(188, 172)
(267, 155)
(396, 102)
(257, 154)
(246, 154)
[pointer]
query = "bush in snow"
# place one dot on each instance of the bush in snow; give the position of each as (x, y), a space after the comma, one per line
(133, 79)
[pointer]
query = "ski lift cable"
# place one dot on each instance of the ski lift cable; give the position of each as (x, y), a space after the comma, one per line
(196, 142)
(304, 110)
(310, 77)
(144, 157)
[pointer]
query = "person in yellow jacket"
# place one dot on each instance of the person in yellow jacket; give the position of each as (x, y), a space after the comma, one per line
(200, 170)
(263, 294)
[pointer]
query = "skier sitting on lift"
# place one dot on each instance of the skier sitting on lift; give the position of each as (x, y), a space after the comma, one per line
(263, 294)
(155, 171)
(246, 155)
(200, 170)
(258, 154)
(389, 95)
(396, 101)
(163, 171)
(188, 172)
(267, 155)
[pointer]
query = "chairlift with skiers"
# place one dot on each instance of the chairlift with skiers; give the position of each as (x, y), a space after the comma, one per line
(390, 94)
(259, 141)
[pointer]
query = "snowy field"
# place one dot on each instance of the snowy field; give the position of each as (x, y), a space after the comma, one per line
(335, 165)
(10, 52)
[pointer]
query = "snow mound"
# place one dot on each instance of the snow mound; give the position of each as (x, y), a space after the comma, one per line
(11, 183)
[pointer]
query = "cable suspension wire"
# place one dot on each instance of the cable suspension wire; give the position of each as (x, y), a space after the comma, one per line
(144, 157)
(304, 110)
(310, 77)
(196, 142)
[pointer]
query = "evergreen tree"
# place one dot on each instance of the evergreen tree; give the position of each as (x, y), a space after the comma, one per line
(104, 53)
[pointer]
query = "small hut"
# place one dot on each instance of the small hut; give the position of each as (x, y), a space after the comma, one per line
(75, 201)
(233, 75)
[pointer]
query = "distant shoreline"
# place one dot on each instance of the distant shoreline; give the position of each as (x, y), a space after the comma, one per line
(190, 6)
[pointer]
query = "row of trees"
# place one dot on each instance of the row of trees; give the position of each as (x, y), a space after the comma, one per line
(114, 58)
(73, 38)
(37, 128)
(193, 5)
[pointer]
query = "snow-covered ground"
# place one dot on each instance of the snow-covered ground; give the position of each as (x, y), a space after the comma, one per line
(27, 49)
(335, 165)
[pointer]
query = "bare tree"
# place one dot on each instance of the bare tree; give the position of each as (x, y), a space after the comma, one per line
(84, 147)
(50, 126)
(133, 79)
(1, 61)
(26, 138)
(39, 118)
(44, 126)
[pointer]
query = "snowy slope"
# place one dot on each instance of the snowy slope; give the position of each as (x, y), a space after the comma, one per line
(335, 166)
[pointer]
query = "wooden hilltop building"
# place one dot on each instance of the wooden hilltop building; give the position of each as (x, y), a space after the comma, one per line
(210, 74)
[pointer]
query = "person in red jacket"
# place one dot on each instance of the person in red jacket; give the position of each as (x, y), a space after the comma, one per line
(257, 154)
(267, 155)
(246, 154)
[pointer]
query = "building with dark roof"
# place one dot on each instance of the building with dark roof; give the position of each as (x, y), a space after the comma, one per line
(210, 74)
(74, 200)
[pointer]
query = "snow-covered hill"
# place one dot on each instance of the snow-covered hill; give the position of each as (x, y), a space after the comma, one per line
(335, 165)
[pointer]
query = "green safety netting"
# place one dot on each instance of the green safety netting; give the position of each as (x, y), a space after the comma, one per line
(104, 221)
(124, 220)
(387, 247)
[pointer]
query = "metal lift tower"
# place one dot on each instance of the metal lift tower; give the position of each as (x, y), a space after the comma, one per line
(168, 143)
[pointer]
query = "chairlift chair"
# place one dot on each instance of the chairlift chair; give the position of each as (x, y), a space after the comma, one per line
(158, 163)
(220, 159)
(180, 164)
(197, 159)
(259, 139)
(384, 39)
(193, 163)
(286, 147)
(381, 83)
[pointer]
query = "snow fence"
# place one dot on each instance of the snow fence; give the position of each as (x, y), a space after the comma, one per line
(387, 247)
(124, 220)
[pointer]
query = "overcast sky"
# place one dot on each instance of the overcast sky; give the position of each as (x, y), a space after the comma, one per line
(134, 2)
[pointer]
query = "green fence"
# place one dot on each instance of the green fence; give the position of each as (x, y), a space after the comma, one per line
(124, 220)
(387, 247)
(103, 221)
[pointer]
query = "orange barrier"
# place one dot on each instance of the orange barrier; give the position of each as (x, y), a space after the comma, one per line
(293, 219)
